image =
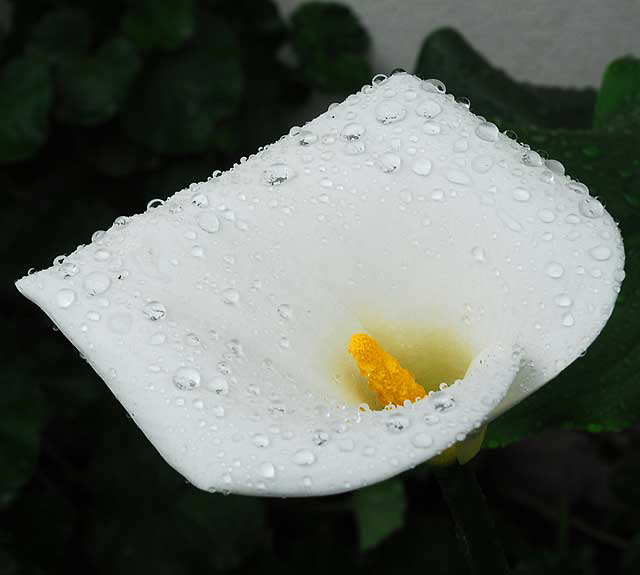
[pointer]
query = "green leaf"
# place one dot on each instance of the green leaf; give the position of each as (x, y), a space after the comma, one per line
(91, 89)
(618, 103)
(154, 25)
(447, 56)
(178, 101)
(148, 520)
(21, 420)
(332, 46)
(26, 95)
(60, 34)
(379, 511)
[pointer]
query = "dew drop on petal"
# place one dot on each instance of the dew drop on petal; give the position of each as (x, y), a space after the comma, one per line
(422, 166)
(555, 270)
(304, 457)
(65, 298)
(591, 208)
(208, 222)
(230, 296)
(390, 112)
(488, 132)
(186, 378)
(422, 440)
(428, 109)
(521, 195)
(277, 174)
(389, 163)
(600, 253)
(352, 131)
(563, 300)
(267, 470)
(154, 310)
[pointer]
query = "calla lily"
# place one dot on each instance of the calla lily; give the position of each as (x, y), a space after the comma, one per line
(222, 318)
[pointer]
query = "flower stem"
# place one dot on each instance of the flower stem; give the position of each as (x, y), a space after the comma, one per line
(474, 525)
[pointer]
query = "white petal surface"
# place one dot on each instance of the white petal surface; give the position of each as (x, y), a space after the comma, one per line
(221, 319)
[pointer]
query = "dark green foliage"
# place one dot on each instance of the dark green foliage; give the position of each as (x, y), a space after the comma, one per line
(21, 420)
(164, 25)
(379, 511)
(60, 34)
(332, 46)
(178, 101)
(618, 105)
(91, 88)
(25, 102)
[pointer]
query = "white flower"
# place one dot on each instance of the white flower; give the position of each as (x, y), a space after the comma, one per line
(221, 319)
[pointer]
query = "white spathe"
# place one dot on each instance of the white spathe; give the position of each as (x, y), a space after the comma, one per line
(221, 319)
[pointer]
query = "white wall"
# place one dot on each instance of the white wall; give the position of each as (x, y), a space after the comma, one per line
(559, 42)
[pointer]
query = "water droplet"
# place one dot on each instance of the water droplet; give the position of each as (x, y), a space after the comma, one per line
(307, 137)
(422, 166)
(219, 385)
(208, 222)
(428, 109)
(578, 188)
(230, 296)
(261, 440)
(555, 166)
(422, 440)
(591, 208)
(478, 254)
(96, 283)
(154, 310)
(397, 423)
(431, 128)
(390, 111)
(568, 320)
(121, 221)
(521, 195)
(433, 85)
(304, 457)
(532, 159)
(563, 300)
(277, 174)
(284, 311)
(600, 253)
(389, 163)
(155, 203)
(200, 200)
(488, 132)
(186, 378)
(546, 216)
(482, 164)
(65, 298)
(267, 470)
(555, 270)
(458, 177)
(441, 402)
(352, 131)
(68, 270)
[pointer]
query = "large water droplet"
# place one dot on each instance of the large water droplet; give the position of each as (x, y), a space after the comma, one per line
(532, 159)
(555, 270)
(186, 378)
(65, 298)
(591, 208)
(304, 457)
(600, 253)
(521, 195)
(422, 166)
(422, 440)
(352, 131)
(397, 423)
(390, 111)
(428, 109)
(208, 222)
(389, 163)
(154, 310)
(488, 132)
(230, 296)
(267, 470)
(277, 174)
